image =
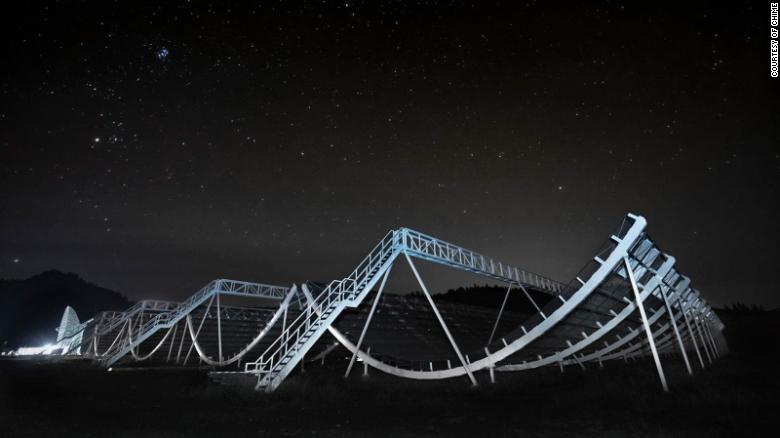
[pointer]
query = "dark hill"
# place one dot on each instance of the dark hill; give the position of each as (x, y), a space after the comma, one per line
(31, 309)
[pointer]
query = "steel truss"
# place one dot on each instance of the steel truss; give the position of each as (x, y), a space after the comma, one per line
(629, 301)
(630, 268)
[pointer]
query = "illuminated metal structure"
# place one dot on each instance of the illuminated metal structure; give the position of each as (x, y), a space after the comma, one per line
(628, 275)
(628, 301)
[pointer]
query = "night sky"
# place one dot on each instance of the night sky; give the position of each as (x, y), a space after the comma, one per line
(151, 148)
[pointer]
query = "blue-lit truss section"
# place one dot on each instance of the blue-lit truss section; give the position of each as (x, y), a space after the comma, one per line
(629, 300)
(111, 336)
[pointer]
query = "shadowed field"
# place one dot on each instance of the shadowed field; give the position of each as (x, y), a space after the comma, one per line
(730, 398)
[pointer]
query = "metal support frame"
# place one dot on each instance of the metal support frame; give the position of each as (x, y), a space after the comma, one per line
(219, 328)
(491, 367)
(368, 321)
(691, 335)
(648, 331)
(708, 333)
(192, 345)
(500, 311)
(531, 299)
(697, 322)
(181, 344)
(503, 304)
(676, 331)
(441, 320)
(173, 341)
(628, 245)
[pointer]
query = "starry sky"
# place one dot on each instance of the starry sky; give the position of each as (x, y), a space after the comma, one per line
(153, 146)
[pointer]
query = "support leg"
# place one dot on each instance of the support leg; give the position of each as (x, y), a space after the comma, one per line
(368, 320)
(690, 331)
(697, 323)
(441, 320)
(490, 368)
(205, 314)
(500, 311)
(530, 298)
(578, 362)
(648, 330)
(676, 331)
(708, 331)
(181, 344)
(219, 329)
(173, 340)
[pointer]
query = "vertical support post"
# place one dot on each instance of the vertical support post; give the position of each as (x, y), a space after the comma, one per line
(205, 314)
(648, 331)
(717, 335)
(490, 367)
(690, 331)
(365, 364)
(441, 320)
(181, 344)
(219, 328)
(574, 356)
(715, 340)
(173, 340)
(697, 323)
(676, 331)
(500, 311)
(368, 321)
(708, 330)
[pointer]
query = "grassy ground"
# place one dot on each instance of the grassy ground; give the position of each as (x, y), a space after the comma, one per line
(735, 396)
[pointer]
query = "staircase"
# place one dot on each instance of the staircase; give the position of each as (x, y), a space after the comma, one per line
(319, 312)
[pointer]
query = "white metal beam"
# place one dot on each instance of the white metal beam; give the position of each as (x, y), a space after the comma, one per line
(368, 320)
(441, 320)
(676, 331)
(648, 331)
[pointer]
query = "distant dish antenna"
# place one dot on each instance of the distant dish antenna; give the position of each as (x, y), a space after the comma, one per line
(69, 326)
